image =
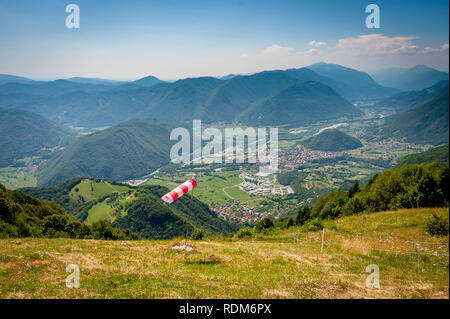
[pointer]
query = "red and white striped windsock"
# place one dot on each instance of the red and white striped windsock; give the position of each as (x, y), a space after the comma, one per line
(179, 191)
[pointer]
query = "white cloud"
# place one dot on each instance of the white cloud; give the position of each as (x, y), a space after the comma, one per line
(277, 49)
(444, 47)
(373, 44)
(244, 55)
(309, 52)
(317, 44)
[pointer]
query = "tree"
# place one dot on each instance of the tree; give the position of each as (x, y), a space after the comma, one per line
(290, 222)
(266, 223)
(354, 189)
(303, 215)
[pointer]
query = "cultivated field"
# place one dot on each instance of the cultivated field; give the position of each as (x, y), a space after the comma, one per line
(284, 264)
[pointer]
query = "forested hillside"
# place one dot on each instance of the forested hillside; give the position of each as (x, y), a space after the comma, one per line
(24, 216)
(144, 213)
(426, 124)
(24, 134)
(301, 103)
(150, 217)
(405, 101)
(438, 154)
(127, 150)
(332, 140)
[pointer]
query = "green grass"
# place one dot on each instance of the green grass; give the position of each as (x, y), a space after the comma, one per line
(14, 178)
(268, 266)
(109, 212)
(91, 190)
(99, 212)
(211, 188)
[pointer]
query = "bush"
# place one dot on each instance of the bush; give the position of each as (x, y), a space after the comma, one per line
(303, 215)
(437, 226)
(244, 232)
(197, 234)
(290, 223)
(313, 225)
(266, 223)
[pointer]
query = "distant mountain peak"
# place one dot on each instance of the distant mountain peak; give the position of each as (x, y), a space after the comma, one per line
(421, 67)
(418, 77)
(147, 81)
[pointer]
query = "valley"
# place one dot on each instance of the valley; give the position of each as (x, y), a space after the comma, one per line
(329, 144)
(237, 154)
(304, 174)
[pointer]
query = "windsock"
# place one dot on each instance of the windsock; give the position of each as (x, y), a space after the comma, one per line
(179, 191)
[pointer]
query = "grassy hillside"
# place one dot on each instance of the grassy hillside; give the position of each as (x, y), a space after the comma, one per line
(438, 154)
(136, 208)
(127, 150)
(25, 134)
(332, 140)
(412, 264)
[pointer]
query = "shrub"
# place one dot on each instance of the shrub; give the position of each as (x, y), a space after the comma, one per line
(437, 226)
(304, 214)
(290, 223)
(313, 225)
(244, 232)
(266, 223)
(197, 234)
(354, 206)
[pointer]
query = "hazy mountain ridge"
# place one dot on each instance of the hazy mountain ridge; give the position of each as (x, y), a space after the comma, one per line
(24, 134)
(418, 77)
(7, 78)
(361, 84)
(206, 98)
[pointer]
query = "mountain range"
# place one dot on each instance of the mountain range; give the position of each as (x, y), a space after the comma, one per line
(207, 98)
(139, 112)
(415, 78)
(357, 84)
(7, 78)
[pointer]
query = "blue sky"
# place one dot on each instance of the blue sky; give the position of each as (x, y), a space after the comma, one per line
(175, 39)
